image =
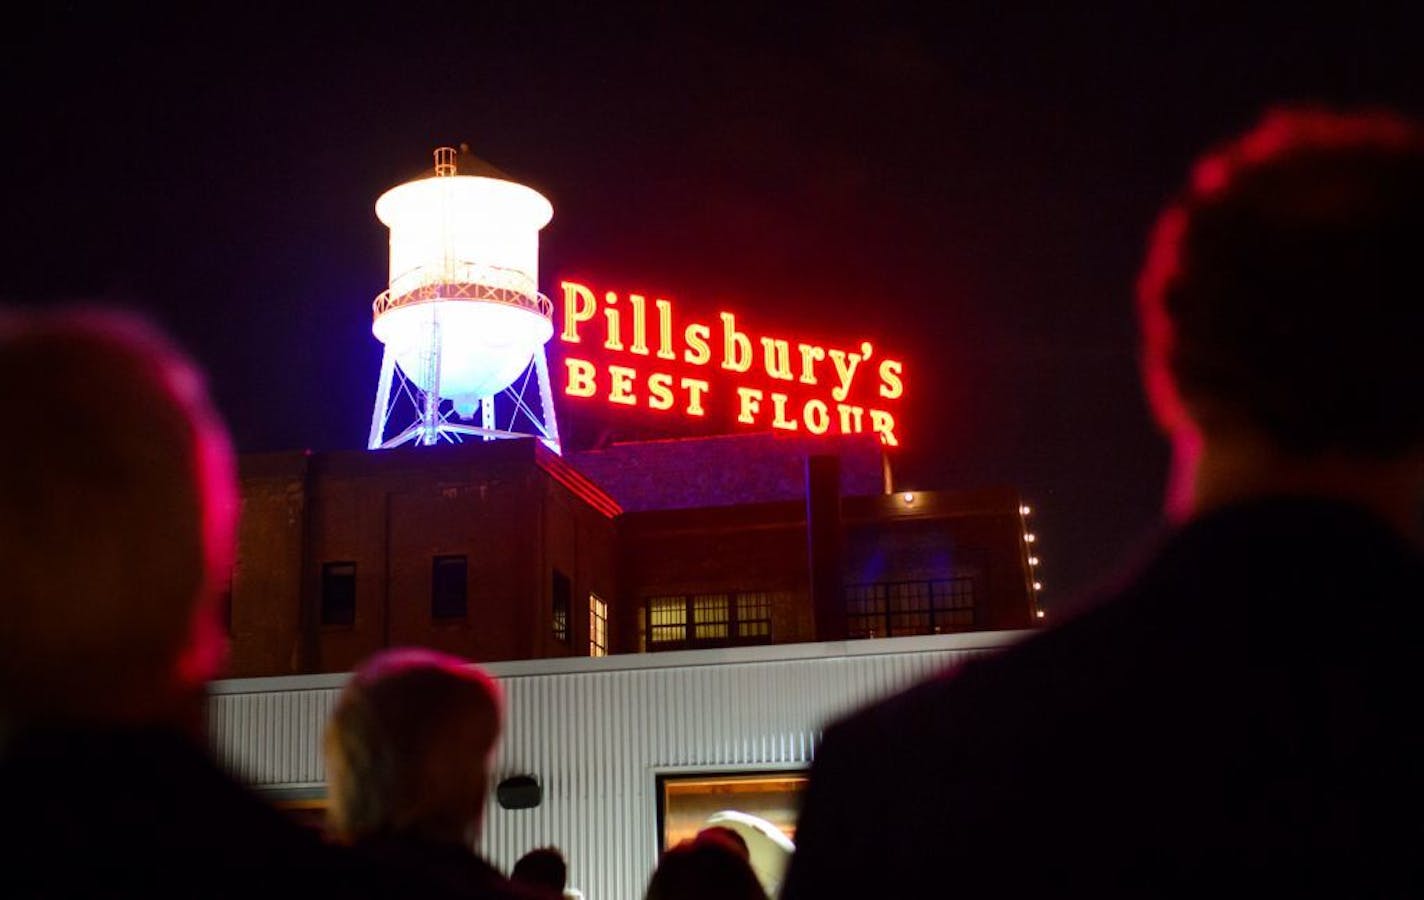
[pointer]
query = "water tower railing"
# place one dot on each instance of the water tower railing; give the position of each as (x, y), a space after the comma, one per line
(461, 280)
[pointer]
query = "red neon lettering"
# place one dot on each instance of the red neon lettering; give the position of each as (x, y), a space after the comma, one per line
(817, 417)
(698, 351)
(614, 341)
(736, 347)
(810, 355)
(778, 416)
(884, 423)
(891, 386)
(695, 388)
(850, 418)
(581, 374)
(778, 358)
(664, 329)
(640, 324)
(620, 385)
(579, 306)
(749, 400)
(660, 387)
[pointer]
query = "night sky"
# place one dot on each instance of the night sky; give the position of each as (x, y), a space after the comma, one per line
(971, 188)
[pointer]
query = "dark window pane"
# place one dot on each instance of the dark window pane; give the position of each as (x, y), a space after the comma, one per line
(338, 593)
(563, 592)
(447, 587)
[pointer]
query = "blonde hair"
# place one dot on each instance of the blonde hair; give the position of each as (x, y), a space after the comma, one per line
(117, 511)
(408, 747)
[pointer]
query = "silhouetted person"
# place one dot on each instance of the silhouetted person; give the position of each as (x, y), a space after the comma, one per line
(408, 750)
(710, 866)
(542, 869)
(1241, 715)
(117, 509)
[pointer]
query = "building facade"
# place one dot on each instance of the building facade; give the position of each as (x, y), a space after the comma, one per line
(503, 550)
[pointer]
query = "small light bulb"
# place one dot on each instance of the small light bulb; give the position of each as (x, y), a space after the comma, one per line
(1029, 538)
(1038, 585)
(1025, 509)
(909, 498)
(1039, 613)
(1033, 560)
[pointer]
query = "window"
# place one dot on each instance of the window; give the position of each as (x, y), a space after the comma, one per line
(448, 581)
(562, 591)
(597, 626)
(338, 593)
(892, 609)
(709, 620)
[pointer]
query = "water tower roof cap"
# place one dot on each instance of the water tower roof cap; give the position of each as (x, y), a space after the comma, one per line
(467, 163)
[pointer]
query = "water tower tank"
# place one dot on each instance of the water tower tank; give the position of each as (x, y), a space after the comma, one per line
(463, 315)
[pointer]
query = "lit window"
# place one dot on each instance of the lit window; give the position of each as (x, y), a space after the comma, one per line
(667, 620)
(597, 626)
(708, 620)
(709, 617)
(338, 593)
(448, 581)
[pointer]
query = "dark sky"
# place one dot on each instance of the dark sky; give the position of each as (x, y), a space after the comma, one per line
(970, 186)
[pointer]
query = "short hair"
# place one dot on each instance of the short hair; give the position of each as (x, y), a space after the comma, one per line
(118, 505)
(706, 867)
(542, 866)
(408, 746)
(1280, 290)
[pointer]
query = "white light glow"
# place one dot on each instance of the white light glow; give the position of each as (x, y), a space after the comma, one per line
(1039, 613)
(909, 498)
(1038, 585)
(1025, 510)
(1033, 560)
(1029, 538)
(464, 265)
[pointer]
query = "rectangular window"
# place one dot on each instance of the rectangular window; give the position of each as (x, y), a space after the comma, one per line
(667, 620)
(710, 617)
(597, 626)
(449, 578)
(893, 609)
(709, 620)
(338, 593)
(754, 616)
(562, 592)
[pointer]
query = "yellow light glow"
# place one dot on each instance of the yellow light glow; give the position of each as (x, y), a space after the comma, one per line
(1039, 613)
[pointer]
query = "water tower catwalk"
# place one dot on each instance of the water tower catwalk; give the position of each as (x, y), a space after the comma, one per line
(462, 321)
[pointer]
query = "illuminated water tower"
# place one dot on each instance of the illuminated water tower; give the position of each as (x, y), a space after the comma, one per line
(462, 320)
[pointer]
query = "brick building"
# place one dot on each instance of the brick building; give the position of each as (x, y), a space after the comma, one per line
(504, 550)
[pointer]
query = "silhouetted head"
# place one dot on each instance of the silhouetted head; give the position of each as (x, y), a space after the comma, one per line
(544, 868)
(117, 511)
(710, 866)
(1281, 290)
(408, 748)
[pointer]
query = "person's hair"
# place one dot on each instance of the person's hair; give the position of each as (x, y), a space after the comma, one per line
(544, 867)
(118, 505)
(707, 867)
(408, 747)
(1280, 291)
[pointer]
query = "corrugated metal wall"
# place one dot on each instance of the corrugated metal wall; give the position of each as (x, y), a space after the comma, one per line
(597, 732)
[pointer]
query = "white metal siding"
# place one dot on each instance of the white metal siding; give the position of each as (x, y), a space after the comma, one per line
(597, 732)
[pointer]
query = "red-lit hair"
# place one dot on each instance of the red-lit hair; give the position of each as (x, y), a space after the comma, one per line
(117, 510)
(1280, 290)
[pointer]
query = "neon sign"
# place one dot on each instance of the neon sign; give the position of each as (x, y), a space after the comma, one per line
(653, 360)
